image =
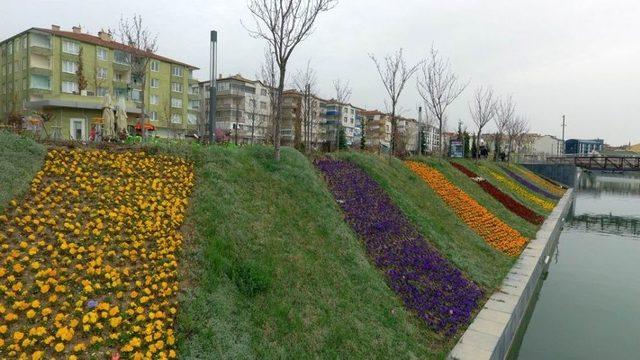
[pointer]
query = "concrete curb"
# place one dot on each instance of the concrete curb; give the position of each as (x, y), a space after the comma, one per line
(492, 331)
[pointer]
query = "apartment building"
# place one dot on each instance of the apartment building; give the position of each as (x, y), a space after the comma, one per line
(40, 71)
(294, 127)
(376, 130)
(340, 115)
(243, 108)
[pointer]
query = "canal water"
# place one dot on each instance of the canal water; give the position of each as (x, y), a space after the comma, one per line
(588, 305)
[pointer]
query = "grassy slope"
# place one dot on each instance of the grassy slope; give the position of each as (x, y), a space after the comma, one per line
(487, 175)
(435, 220)
(20, 160)
(472, 189)
(274, 272)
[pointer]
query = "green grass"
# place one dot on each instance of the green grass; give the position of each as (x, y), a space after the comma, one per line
(272, 271)
(435, 219)
(20, 160)
(477, 193)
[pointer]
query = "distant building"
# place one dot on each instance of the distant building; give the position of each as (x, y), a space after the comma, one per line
(583, 147)
(243, 108)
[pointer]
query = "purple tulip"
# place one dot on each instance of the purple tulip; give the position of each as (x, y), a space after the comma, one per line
(426, 282)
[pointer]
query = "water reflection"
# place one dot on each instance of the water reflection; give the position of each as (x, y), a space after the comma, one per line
(588, 306)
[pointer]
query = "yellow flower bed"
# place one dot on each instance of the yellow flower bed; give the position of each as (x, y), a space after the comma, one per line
(538, 181)
(493, 230)
(526, 194)
(89, 266)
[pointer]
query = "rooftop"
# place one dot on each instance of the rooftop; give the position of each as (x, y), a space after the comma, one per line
(105, 41)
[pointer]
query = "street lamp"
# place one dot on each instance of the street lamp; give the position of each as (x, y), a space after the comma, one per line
(212, 86)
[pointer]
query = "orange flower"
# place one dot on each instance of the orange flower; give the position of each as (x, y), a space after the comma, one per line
(495, 232)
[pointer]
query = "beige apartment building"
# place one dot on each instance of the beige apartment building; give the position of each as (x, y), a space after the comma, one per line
(243, 108)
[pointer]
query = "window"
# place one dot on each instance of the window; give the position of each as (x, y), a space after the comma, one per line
(155, 66)
(153, 116)
(176, 71)
(69, 67)
(263, 92)
(136, 95)
(102, 54)
(176, 118)
(69, 87)
(194, 104)
(121, 57)
(192, 119)
(194, 90)
(155, 83)
(40, 40)
(263, 104)
(102, 73)
(176, 87)
(176, 103)
(102, 91)
(119, 76)
(70, 47)
(154, 99)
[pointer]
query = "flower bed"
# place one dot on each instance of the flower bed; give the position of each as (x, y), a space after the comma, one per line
(89, 266)
(495, 232)
(518, 189)
(539, 181)
(506, 200)
(426, 282)
(529, 185)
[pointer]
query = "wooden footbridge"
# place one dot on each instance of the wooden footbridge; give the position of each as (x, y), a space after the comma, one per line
(605, 163)
(608, 224)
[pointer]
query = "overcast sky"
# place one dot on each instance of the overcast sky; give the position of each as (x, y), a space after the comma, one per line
(579, 58)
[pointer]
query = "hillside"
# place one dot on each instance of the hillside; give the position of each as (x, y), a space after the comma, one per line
(275, 271)
(20, 159)
(289, 259)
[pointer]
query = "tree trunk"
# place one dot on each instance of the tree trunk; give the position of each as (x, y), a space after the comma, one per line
(143, 131)
(478, 144)
(277, 134)
(440, 144)
(393, 128)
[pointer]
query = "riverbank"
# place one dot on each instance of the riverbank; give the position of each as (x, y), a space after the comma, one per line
(491, 334)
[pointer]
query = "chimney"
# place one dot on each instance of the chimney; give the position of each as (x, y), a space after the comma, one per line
(77, 29)
(104, 35)
(220, 76)
(55, 27)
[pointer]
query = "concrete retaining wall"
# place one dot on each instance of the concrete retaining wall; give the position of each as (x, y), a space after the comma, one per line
(492, 332)
(563, 173)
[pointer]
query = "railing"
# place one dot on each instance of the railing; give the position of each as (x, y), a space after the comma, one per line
(612, 163)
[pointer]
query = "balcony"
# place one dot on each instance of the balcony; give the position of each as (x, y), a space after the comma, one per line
(36, 70)
(230, 92)
(333, 112)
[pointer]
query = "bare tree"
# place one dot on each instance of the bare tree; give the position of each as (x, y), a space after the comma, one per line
(142, 45)
(394, 73)
(517, 128)
(256, 118)
(270, 80)
(305, 81)
(81, 79)
(505, 112)
(284, 24)
(438, 86)
(483, 109)
(343, 91)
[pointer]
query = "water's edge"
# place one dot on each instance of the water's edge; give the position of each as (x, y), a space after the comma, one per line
(492, 332)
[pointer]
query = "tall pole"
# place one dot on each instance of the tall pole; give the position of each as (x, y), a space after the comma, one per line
(563, 126)
(212, 86)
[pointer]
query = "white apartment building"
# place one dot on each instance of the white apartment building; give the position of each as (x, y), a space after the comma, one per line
(243, 108)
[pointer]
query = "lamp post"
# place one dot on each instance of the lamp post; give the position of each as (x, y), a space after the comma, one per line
(212, 86)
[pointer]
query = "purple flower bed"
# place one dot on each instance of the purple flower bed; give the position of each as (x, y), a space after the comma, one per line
(529, 185)
(426, 282)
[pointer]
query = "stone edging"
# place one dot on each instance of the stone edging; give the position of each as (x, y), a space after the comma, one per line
(492, 331)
